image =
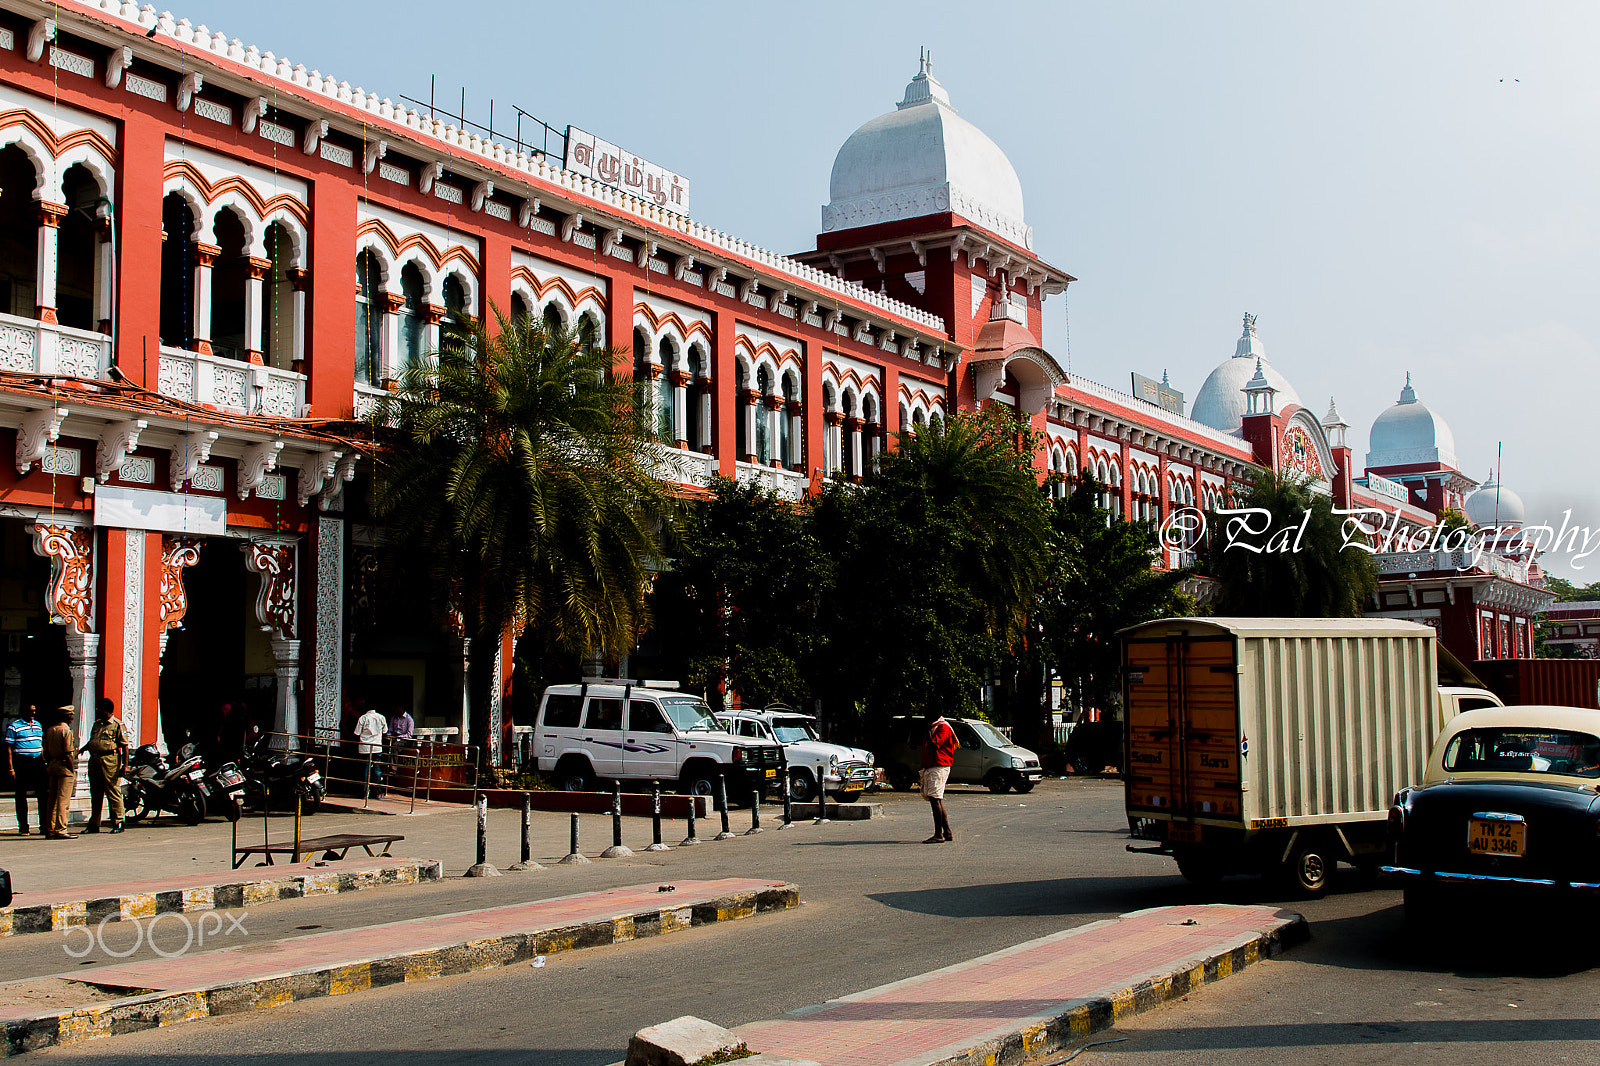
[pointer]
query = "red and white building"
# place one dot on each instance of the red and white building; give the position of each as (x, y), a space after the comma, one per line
(216, 260)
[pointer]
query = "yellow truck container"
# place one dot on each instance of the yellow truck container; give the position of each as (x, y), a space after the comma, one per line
(1277, 744)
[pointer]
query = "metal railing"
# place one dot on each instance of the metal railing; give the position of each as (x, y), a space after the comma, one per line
(414, 766)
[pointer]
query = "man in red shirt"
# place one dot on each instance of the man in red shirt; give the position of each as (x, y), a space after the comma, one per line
(938, 753)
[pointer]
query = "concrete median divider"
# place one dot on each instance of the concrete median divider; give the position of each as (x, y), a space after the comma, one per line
(41, 912)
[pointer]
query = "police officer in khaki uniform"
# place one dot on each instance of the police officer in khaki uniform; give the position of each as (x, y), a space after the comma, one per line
(61, 765)
(108, 757)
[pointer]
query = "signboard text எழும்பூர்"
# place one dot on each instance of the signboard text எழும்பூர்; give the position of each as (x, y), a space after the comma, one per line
(604, 162)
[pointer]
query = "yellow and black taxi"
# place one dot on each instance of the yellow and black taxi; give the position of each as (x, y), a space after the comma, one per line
(1510, 798)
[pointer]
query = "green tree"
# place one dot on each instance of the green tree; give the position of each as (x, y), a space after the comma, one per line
(938, 559)
(1101, 580)
(739, 603)
(526, 476)
(1286, 556)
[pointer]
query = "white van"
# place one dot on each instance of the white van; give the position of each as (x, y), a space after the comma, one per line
(614, 729)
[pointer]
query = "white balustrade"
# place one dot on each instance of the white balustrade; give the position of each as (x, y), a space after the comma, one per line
(788, 484)
(230, 385)
(28, 346)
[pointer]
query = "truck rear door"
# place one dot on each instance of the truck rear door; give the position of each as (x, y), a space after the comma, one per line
(1183, 730)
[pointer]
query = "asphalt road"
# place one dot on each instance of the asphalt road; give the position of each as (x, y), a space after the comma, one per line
(881, 906)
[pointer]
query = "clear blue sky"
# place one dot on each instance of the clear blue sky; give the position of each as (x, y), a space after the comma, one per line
(1356, 174)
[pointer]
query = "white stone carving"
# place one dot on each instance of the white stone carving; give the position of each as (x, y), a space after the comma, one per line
(255, 109)
(254, 464)
(335, 153)
(39, 429)
(333, 492)
(18, 348)
(175, 377)
(214, 111)
(145, 87)
(41, 32)
(570, 227)
(8, 40)
(684, 267)
(78, 357)
(315, 469)
(278, 398)
(329, 610)
(447, 192)
(375, 150)
(496, 209)
(315, 131)
(138, 470)
(207, 479)
(116, 441)
(526, 213)
(431, 172)
(228, 388)
(545, 226)
(72, 62)
(480, 193)
(276, 133)
(66, 462)
(192, 83)
(390, 172)
(192, 450)
(273, 487)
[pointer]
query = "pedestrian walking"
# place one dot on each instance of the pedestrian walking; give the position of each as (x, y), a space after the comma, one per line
(938, 754)
(25, 763)
(61, 768)
(370, 728)
(108, 754)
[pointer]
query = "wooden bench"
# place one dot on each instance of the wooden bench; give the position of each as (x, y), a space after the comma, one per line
(339, 842)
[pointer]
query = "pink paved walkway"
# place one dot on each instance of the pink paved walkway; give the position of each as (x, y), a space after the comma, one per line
(923, 1018)
(255, 962)
(203, 879)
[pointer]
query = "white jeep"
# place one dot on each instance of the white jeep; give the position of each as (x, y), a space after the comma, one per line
(614, 729)
(845, 772)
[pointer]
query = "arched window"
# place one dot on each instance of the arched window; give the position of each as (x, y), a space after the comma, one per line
(413, 318)
(77, 251)
(919, 421)
(588, 333)
(369, 318)
(741, 442)
(847, 460)
(177, 271)
(19, 233)
(520, 315)
(763, 447)
(278, 325)
(905, 419)
(455, 300)
(664, 392)
(552, 319)
(936, 422)
(228, 280)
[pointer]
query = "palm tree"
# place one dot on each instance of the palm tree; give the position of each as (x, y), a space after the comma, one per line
(1290, 572)
(526, 475)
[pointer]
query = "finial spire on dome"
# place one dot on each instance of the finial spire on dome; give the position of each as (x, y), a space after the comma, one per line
(1249, 344)
(1333, 418)
(924, 88)
(1408, 394)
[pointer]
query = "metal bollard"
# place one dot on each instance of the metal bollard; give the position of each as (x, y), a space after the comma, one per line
(694, 801)
(788, 804)
(655, 817)
(574, 857)
(755, 814)
(482, 868)
(822, 796)
(617, 850)
(722, 804)
(526, 862)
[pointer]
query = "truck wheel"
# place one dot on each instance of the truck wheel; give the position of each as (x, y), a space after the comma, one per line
(1308, 868)
(997, 782)
(1198, 869)
(846, 797)
(575, 775)
(701, 780)
(901, 779)
(802, 789)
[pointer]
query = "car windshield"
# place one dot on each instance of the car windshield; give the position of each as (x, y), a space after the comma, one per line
(1509, 749)
(690, 714)
(988, 735)
(789, 730)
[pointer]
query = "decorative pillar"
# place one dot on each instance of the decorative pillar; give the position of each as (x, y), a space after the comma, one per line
(774, 406)
(705, 401)
(853, 425)
(50, 216)
(389, 361)
(750, 397)
(256, 272)
(833, 460)
(328, 618)
(275, 613)
(797, 435)
(300, 280)
(434, 335)
(680, 408)
(105, 270)
(205, 257)
(461, 678)
(70, 598)
(177, 554)
(654, 372)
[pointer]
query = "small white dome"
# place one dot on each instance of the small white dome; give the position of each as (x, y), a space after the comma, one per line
(1221, 402)
(1494, 505)
(1409, 433)
(922, 159)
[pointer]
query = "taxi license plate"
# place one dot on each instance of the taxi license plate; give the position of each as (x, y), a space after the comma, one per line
(1495, 836)
(772, 773)
(855, 786)
(1183, 834)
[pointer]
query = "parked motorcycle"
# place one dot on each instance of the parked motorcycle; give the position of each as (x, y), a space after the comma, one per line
(154, 786)
(272, 773)
(225, 788)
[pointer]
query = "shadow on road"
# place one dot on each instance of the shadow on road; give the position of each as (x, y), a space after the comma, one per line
(1313, 1034)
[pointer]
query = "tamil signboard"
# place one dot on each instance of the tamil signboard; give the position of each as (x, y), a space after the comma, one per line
(167, 512)
(1159, 393)
(604, 162)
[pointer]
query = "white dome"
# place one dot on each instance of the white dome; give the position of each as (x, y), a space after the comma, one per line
(1221, 402)
(1495, 505)
(922, 159)
(1409, 433)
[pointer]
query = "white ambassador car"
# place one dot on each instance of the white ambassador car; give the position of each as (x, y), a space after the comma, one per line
(845, 772)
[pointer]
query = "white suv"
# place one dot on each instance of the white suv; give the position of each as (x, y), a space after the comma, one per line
(610, 729)
(845, 772)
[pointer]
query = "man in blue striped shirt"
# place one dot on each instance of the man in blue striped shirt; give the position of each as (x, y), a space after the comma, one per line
(25, 763)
